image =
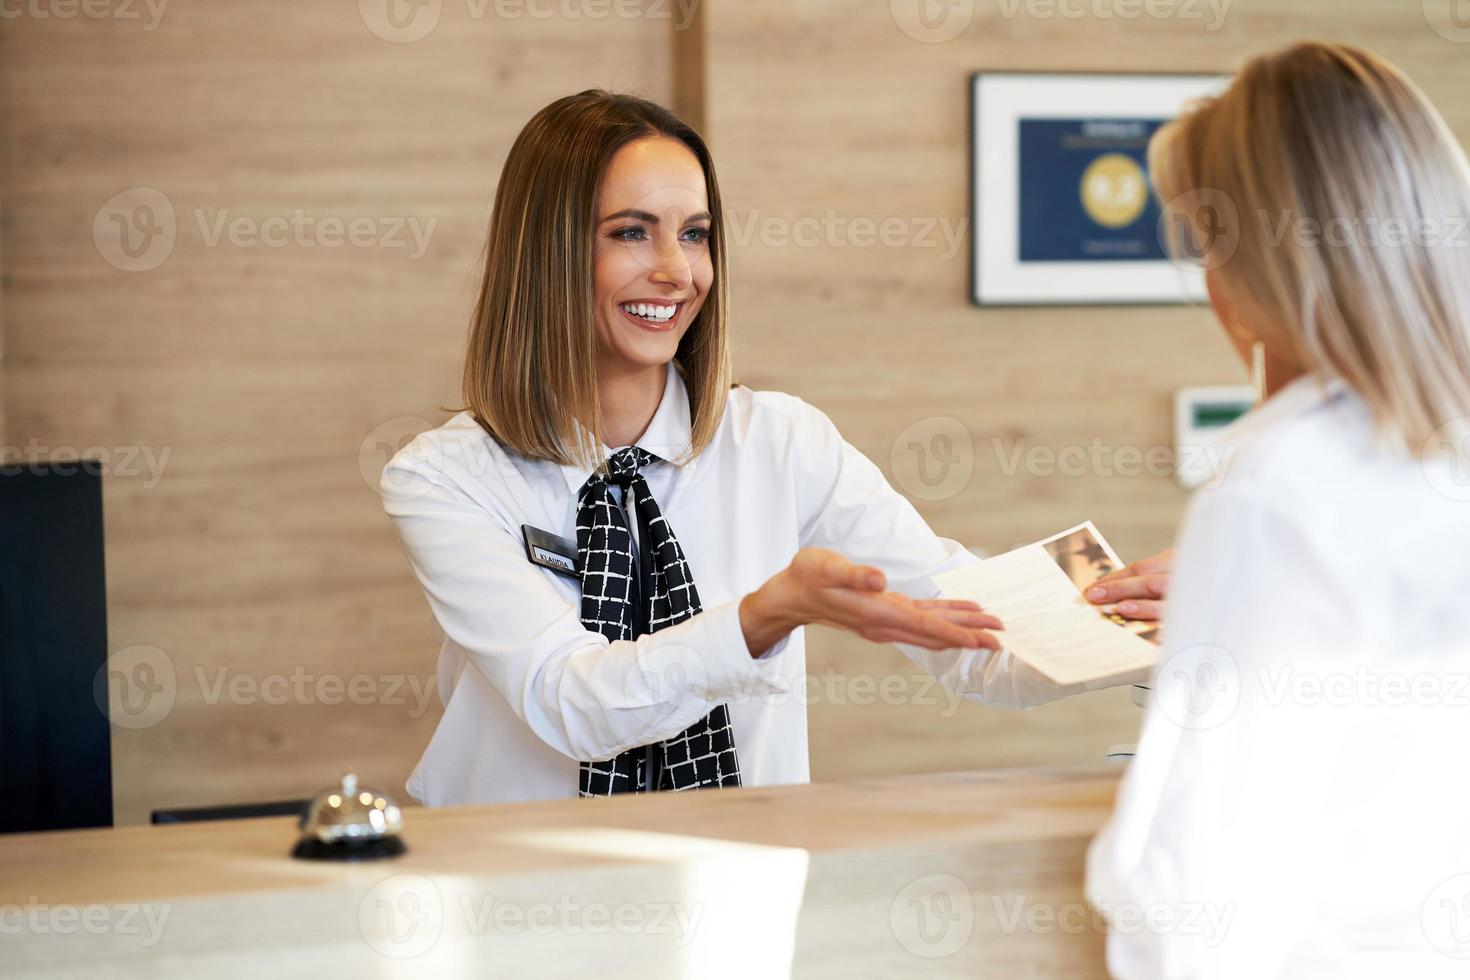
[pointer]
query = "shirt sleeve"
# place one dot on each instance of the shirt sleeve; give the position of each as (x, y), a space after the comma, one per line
(1205, 866)
(848, 506)
(586, 697)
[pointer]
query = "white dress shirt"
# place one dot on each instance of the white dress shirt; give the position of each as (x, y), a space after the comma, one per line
(1300, 802)
(529, 692)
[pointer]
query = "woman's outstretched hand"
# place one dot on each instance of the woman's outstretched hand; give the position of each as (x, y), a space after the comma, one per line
(821, 586)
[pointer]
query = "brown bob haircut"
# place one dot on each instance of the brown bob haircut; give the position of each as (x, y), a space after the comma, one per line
(530, 373)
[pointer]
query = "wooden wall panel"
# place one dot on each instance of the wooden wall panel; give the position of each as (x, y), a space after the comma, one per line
(823, 108)
(4, 424)
(264, 373)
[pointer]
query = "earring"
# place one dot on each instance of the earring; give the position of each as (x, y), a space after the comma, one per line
(1258, 370)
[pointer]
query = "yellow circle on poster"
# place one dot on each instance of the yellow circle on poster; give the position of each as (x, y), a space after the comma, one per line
(1114, 190)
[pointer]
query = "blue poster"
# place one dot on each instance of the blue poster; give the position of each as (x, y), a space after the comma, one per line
(1084, 194)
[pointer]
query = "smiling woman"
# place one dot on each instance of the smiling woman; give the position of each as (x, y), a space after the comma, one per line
(605, 466)
(568, 202)
(653, 270)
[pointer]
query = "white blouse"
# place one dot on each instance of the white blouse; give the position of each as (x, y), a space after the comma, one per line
(529, 692)
(1300, 802)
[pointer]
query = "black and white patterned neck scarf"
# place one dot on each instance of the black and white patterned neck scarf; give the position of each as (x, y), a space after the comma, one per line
(625, 596)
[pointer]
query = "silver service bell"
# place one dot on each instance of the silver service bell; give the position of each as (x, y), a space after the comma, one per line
(351, 823)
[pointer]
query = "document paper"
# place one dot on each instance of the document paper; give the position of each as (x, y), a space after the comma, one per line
(1036, 591)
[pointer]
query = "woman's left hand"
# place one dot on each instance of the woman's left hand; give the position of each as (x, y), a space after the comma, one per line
(1137, 590)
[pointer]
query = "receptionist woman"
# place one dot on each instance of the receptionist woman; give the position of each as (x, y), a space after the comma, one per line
(629, 618)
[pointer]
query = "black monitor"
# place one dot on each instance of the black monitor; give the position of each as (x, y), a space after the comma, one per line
(55, 745)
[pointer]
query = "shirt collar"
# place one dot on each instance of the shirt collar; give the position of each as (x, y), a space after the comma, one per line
(667, 436)
(1302, 395)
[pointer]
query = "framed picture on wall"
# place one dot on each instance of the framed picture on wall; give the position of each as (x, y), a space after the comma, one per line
(1062, 211)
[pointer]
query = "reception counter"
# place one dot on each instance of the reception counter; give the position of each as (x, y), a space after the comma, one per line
(964, 874)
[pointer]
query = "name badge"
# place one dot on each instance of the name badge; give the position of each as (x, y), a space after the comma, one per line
(549, 551)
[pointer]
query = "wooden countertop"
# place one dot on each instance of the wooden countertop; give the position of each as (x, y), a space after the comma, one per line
(956, 874)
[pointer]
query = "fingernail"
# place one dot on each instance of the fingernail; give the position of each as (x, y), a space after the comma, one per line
(1095, 594)
(1127, 607)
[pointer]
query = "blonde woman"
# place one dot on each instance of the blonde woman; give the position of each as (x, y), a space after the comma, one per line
(1299, 805)
(622, 548)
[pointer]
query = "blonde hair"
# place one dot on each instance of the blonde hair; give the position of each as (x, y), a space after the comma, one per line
(530, 372)
(1350, 196)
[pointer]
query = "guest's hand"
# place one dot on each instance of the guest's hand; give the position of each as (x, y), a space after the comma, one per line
(1137, 591)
